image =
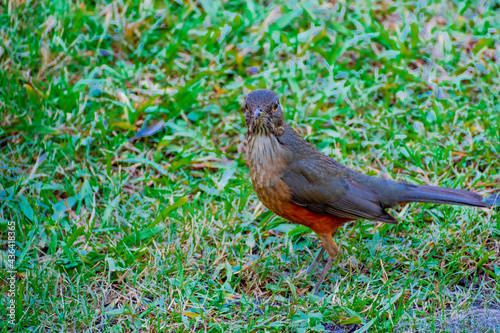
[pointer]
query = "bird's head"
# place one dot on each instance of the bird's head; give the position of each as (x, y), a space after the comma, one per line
(263, 113)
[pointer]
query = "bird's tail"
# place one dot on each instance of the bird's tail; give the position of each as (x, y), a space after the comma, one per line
(440, 195)
(494, 199)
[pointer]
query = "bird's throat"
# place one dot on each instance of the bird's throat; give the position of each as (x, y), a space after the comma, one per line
(266, 156)
(263, 148)
(261, 127)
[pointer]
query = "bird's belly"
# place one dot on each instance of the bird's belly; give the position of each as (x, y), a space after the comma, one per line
(267, 161)
(319, 223)
(277, 197)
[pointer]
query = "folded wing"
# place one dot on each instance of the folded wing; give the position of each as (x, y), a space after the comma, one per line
(331, 192)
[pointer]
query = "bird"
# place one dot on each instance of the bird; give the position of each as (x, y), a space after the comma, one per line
(293, 179)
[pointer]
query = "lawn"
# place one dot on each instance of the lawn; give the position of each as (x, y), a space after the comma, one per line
(123, 168)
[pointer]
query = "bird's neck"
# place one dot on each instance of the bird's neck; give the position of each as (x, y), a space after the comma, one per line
(267, 158)
(263, 147)
(266, 149)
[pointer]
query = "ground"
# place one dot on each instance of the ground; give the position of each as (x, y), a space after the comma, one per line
(123, 169)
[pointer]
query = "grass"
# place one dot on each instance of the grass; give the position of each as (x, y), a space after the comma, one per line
(120, 232)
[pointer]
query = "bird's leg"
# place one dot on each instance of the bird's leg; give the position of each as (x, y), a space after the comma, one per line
(322, 276)
(333, 250)
(316, 260)
(319, 256)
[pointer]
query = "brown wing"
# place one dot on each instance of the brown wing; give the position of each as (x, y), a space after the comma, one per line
(325, 191)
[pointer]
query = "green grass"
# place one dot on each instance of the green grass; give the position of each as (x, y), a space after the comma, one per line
(165, 233)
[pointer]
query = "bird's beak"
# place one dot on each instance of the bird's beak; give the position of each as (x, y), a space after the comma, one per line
(257, 113)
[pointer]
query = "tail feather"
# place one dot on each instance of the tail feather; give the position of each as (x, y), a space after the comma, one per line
(440, 195)
(494, 199)
(387, 218)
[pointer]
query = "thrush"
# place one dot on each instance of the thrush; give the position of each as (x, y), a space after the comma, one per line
(296, 181)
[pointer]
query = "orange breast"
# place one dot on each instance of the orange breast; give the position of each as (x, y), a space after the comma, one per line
(319, 223)
(267, 162)
(277, 198)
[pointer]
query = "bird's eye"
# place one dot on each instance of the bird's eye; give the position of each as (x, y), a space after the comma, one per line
(275, 106)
